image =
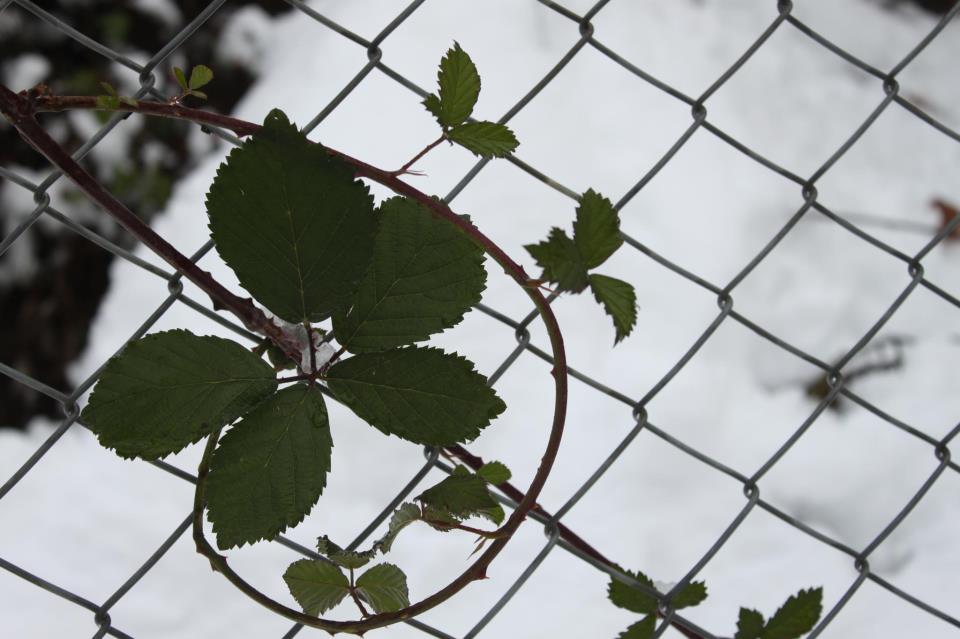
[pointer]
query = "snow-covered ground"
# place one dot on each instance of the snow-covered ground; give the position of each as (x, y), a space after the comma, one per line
(85, 519)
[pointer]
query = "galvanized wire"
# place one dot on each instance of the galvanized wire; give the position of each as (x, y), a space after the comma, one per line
(582, 36)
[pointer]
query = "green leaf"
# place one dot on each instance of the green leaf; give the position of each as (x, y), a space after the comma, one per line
(109, 89)
(692, 595)
(432, 104)
(127, 100)
(439, 519)
(318, 586)
(425, 275)
(384, 587)
(269, 470)
(419, 394)
(749, 625)
(596, 231)
(459, 495)
(494, 472)
(494, 514)
(643, 629)
(560, 260)
(618, 299)
(169, 389)
(796, 617)
(630, 598)
(459, 88)
(198, 94)
(341, 557)
(292, 222)
(181, 78)
(402, 517)
(486, 139)
(199, 76)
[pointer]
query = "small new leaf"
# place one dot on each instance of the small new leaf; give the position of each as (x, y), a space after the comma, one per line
(618, 299)
(269, 470)
(494, 472)
(560, 260)
(643, 629)
(426, 274)
(692, 595)
(402, 517)
(460, 495)
(630, 598)
(485, 139)
(292, 222)
(596, 231)
(341, 557)
(432, 104)
(384, 587)
(200, 76)
(459, 88)
(108, 102)
(170, 389)
(318, 586)
(796, 617)
(749, 625)
(494, 514)
(181, 78)
(423, 395)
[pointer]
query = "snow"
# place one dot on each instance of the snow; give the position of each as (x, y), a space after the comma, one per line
(85, 520)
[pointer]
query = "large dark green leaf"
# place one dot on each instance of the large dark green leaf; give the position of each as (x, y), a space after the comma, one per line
(291, 222)
(169, 389)
(425, 275)
(269, 470)
(419, 394)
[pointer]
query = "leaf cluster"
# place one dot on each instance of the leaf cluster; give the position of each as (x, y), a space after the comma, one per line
(200, 76)
(646, 601)
(796, 617)
(452, 105)
(568, 263)
(320, 584)
(304, 238)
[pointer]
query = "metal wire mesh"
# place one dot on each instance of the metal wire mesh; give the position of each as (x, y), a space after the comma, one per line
(809, 204)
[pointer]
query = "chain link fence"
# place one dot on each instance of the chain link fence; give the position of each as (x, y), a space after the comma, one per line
(558, 535)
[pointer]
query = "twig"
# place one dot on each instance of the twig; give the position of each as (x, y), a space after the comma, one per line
(19, 111)
(403, 169)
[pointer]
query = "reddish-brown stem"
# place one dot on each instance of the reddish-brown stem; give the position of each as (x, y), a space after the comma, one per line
(356, 597)
(486, 534)
(20, 110)
(404, 169)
